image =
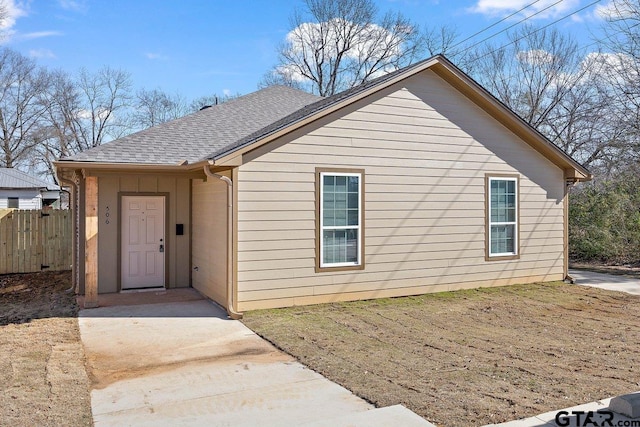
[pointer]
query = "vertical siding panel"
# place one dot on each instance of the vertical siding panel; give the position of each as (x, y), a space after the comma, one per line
(209, 238)
(183, 252)
(168, 185)
(109, 229)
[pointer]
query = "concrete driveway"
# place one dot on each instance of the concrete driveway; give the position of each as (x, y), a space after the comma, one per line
(184, 363)
(611, 282)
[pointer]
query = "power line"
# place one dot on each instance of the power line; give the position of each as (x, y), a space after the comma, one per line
(529, 34)
(496, 23)
(513, 25)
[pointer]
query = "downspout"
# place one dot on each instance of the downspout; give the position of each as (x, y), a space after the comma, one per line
(230, 309)
(568, 184)
(73, 194)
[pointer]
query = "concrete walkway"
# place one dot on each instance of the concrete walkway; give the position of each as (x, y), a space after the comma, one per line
(611, 282)
(183, 363)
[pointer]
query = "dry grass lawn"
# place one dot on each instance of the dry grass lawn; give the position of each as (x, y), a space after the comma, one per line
(42, 376)
(470, 357)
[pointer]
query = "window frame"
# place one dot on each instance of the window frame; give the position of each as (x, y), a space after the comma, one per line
(489, 256)
(321, 266)
(13, 199)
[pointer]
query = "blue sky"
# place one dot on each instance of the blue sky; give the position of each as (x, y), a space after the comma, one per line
(201, 47)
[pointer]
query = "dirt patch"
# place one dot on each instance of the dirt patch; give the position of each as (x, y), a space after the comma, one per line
(42, 371)
(470, 357)
(105, 370)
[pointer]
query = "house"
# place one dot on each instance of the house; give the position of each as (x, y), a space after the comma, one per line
(419, 181)
(19, 190)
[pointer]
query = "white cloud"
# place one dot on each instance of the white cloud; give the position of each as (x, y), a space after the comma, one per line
(14, 11)
(290, 72)
(38, 35)
(501, 8)
(535, 56)
(101, 114)
(311, 34)
(226, 92)
(156, 56)
(41, 53)
(73, 5)
(374, 42)
(610, 67)
(614, 9)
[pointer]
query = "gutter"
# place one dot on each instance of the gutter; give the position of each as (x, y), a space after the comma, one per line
(230, 309)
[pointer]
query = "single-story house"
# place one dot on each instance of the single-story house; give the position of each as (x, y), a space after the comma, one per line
(19, 190)
(418, 181)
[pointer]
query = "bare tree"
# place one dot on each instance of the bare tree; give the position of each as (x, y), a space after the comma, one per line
(622, 37)
(82, 112)
(104, 98)
(544, 78)
(444, 40)
(63, 120)
(21, 113)
(337, 44)
(532, 73)
(152, 107)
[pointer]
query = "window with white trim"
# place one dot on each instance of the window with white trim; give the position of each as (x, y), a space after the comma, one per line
(340, 219)
(13, 202)
(503, 216)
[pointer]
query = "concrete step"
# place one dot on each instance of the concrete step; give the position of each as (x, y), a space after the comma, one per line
(627, 404)
(390, 416)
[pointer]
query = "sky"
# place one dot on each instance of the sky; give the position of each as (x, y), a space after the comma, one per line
(201, 47)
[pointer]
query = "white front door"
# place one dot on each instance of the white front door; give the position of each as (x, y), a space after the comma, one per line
(143, 242)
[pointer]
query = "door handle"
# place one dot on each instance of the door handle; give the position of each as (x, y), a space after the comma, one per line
(161, 248)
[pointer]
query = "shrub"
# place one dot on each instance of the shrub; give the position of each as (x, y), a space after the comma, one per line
(604, 221)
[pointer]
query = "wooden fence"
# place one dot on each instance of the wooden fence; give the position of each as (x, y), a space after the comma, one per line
(35, 240)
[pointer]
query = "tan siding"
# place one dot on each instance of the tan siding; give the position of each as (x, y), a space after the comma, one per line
(425, 150)
(108, 251)
(177, 254)
(209, 238)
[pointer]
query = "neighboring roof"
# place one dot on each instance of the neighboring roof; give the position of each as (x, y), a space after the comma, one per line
(11, 178)
(227, 130)
(195, 136)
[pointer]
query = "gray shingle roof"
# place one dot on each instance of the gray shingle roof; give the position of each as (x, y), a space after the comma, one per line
(195, 136)
(218, 131)
(14, 179)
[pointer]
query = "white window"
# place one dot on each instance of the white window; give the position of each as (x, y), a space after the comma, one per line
(340, 219)
(13, 202)
(503, 216)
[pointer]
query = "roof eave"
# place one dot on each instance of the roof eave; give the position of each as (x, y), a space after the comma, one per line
(459, 80)
(484, 99)
(225, 156)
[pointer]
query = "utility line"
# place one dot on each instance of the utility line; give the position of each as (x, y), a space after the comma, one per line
(495, 23)
(513, 25)
(529, 34)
